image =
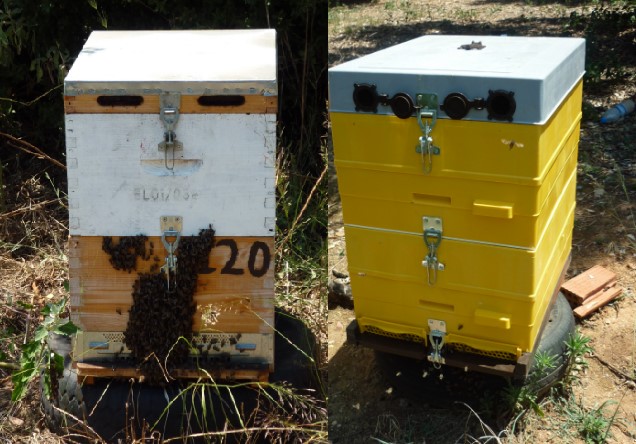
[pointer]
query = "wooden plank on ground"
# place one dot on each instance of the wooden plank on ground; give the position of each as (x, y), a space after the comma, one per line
(596, 301)
(580, 288)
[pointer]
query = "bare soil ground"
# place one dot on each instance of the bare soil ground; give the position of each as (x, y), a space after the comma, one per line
(362, 405)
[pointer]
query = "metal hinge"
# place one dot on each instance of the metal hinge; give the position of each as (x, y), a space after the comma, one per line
(436, 337)
(169, 115)
(427, 105)
(433, 229)
(171, 227)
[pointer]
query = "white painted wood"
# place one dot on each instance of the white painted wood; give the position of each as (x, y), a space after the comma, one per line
(119, 186)
(190, 62)
(541, 71)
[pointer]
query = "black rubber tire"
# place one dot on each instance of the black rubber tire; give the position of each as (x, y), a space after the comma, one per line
(68, 397)
(405, 375)
(294, 363)
(559, 328)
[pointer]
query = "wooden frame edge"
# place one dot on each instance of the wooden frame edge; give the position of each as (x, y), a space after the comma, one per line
(87, 104)
(91, 371)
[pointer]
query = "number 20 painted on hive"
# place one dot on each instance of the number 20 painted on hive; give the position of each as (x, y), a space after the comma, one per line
(257, 248)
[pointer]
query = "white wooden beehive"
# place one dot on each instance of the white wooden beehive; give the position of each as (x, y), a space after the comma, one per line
(173, 123)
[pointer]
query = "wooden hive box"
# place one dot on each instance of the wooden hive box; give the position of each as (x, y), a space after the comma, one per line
(169, 133)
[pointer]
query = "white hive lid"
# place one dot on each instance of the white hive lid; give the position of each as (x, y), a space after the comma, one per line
(189, 62)
(540, 71)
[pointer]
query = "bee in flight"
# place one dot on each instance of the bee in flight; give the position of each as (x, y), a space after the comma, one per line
(512, 144)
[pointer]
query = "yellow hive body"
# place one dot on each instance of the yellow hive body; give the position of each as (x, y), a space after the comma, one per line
(504, 195)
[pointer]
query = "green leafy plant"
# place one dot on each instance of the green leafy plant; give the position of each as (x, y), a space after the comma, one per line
(544, 363)
(37, 355)
(593, 425)
(520, 399)
(577, 347)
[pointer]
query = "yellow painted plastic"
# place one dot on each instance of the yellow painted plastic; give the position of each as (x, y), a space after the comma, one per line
(488, 208)
(355, 179)
(382, 298)
(491, 318)
(399, 201)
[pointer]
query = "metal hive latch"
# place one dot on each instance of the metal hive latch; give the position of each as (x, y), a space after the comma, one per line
(427, 105)
(169, 115)
(433, 230)
(171, 227)
(436, 337)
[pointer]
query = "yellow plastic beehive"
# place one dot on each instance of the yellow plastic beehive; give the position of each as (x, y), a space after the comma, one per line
(505, 195)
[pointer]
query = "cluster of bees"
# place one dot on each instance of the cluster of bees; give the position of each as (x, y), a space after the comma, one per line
(159, 316)
(124, 253)
(216, 344)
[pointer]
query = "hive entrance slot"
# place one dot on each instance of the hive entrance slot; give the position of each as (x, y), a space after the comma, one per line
(120, 100)
(221, 100)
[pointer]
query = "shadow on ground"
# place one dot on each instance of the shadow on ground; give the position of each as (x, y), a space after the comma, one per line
(436, 408)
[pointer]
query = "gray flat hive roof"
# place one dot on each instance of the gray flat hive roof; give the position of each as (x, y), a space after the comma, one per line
(539, 70)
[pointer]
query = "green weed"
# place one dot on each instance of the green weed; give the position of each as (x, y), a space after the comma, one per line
(38, 356)
(282, 413)
(577, 346)
(520, 399)
(544, 363)
(592, 425)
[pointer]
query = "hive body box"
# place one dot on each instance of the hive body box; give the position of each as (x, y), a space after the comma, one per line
(216, 91)
(494, 190)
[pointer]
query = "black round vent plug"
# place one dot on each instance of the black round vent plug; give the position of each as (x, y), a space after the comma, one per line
(456, 106)
(501, 105)
(365, 97)
(402, 105)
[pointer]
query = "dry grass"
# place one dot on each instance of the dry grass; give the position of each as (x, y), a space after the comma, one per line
(33, 269)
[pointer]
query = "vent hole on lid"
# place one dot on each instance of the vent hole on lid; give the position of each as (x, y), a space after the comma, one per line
(365, 97)
(221, 100)
(120, 100)
(402, 105)
(501, 105)
(456, 106)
